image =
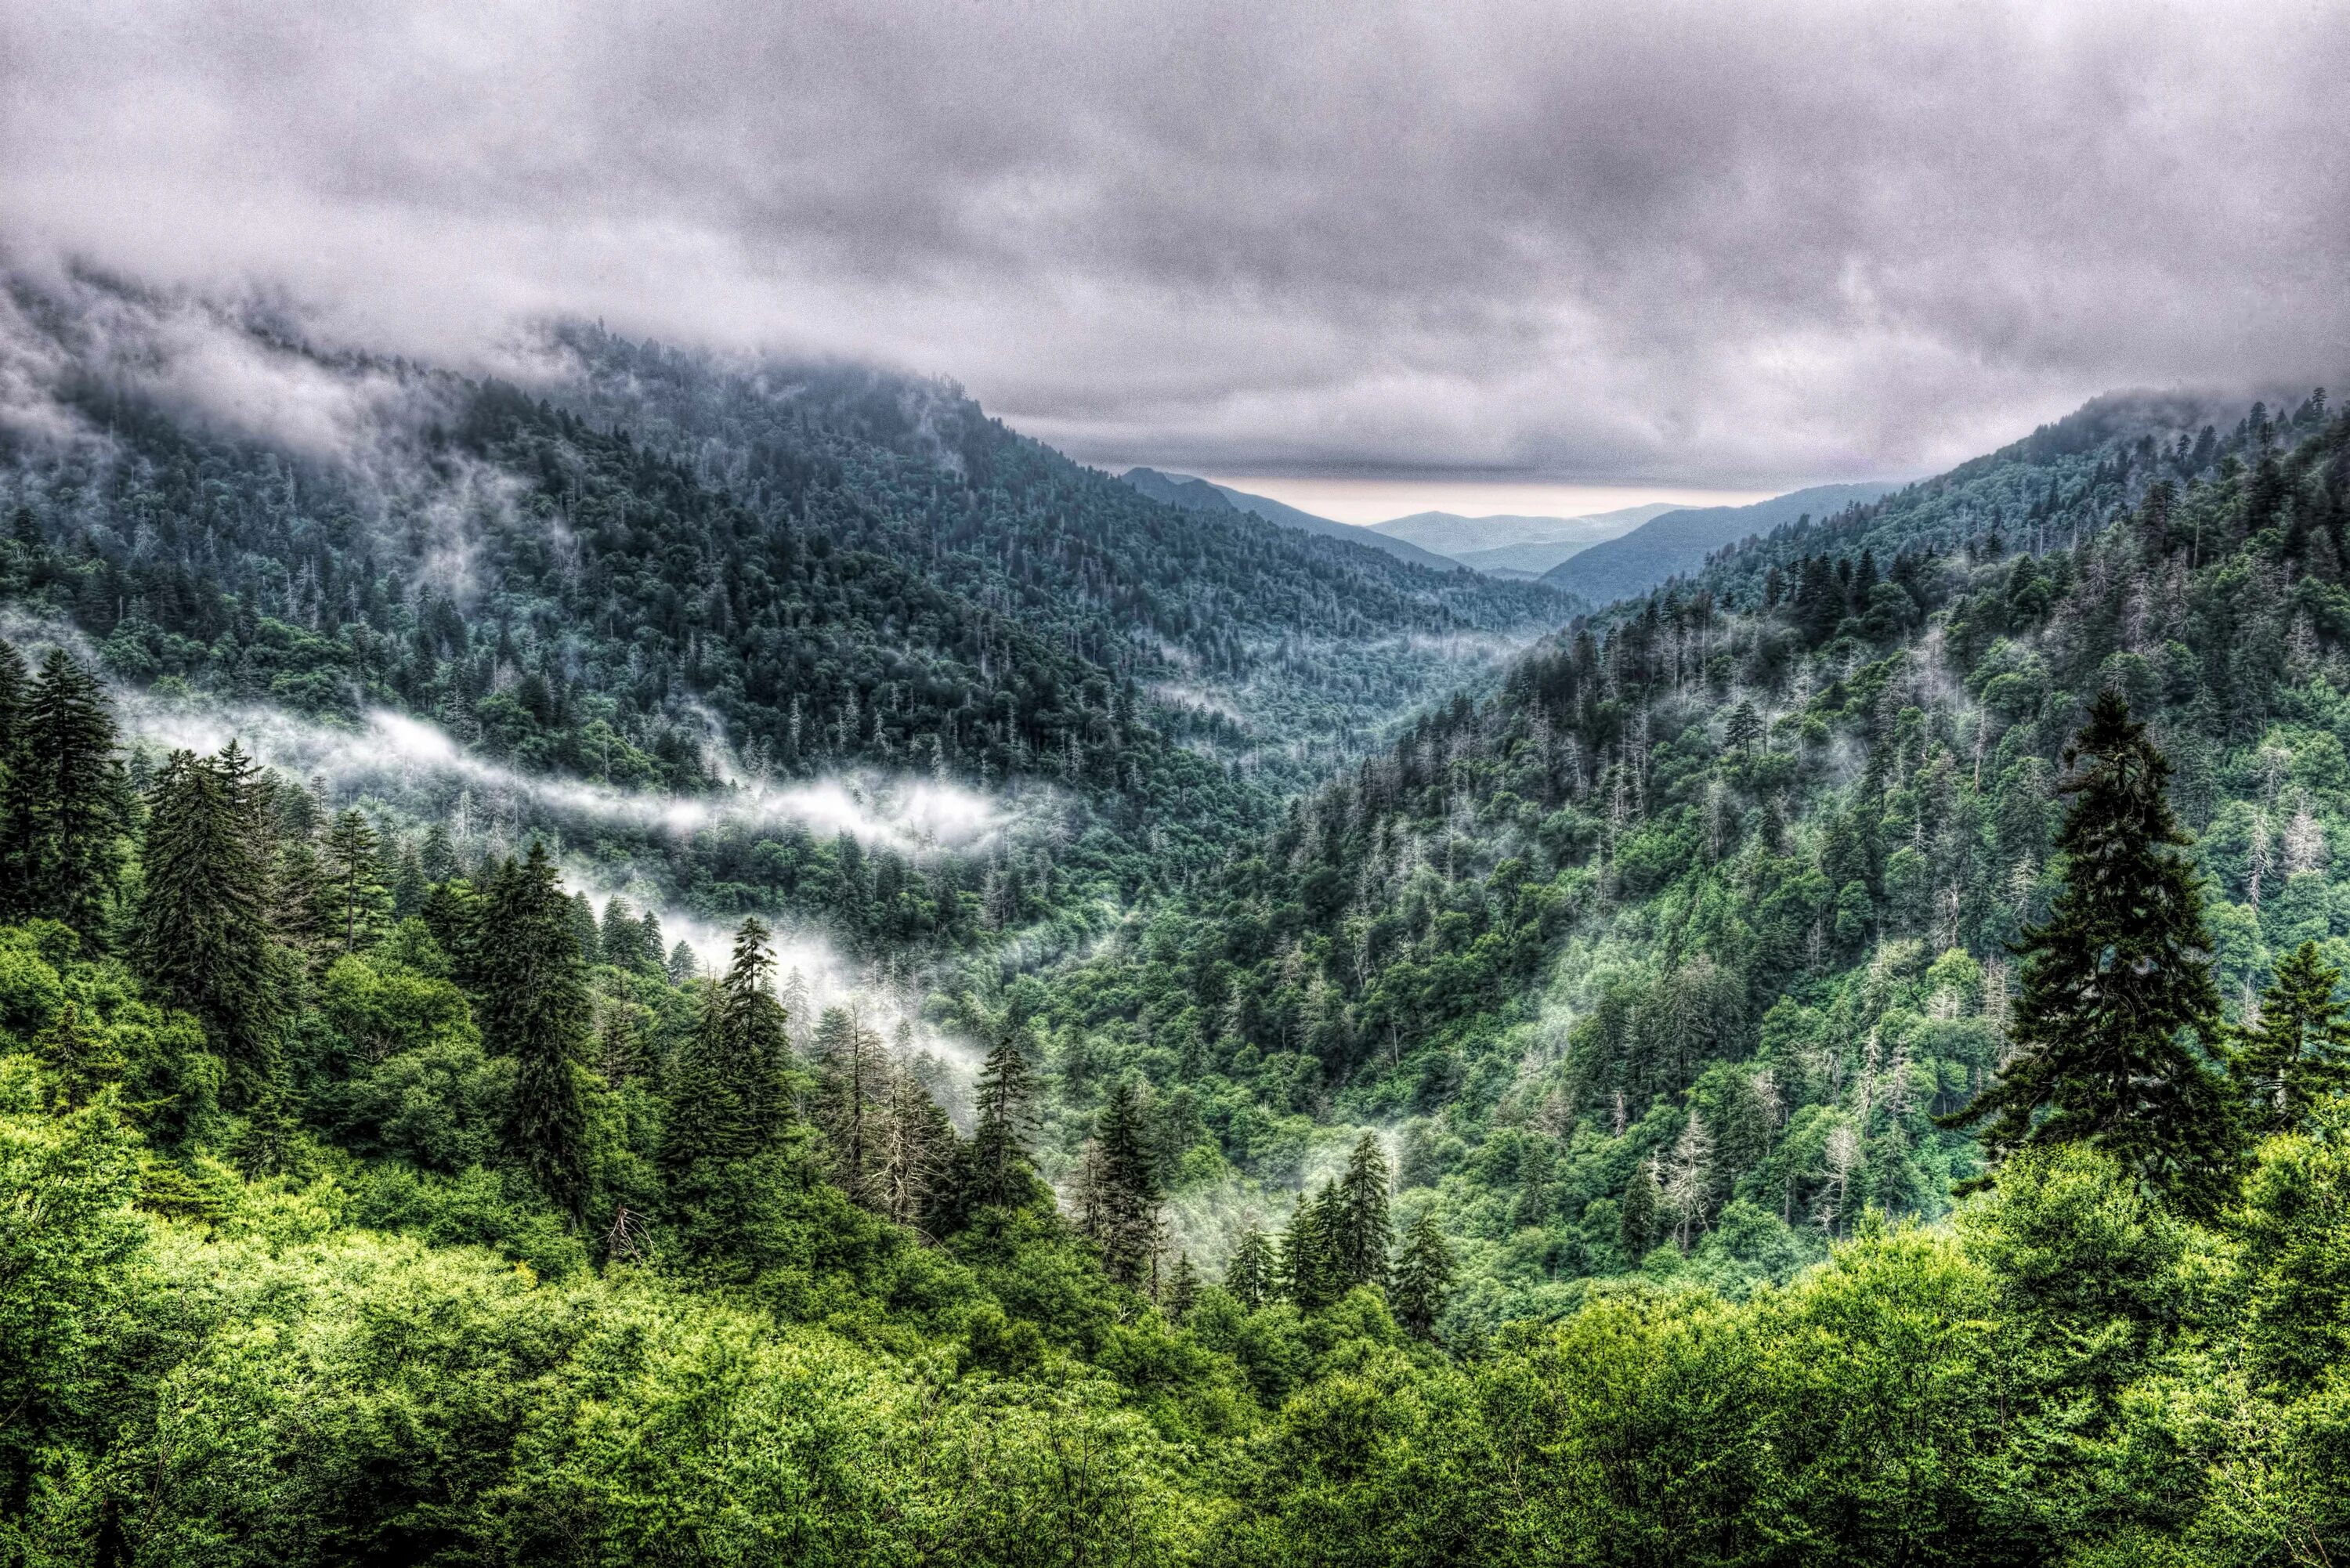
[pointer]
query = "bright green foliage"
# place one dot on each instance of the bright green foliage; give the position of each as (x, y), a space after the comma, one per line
(2299, 1050)
(2118, 990)
(534, 1011)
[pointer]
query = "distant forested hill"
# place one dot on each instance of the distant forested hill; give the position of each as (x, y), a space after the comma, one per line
(1199, 495)
(1676, 542)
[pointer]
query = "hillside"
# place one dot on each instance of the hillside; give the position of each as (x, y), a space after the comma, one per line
(1676, 542)
(1528, 1144)
(1199, 495)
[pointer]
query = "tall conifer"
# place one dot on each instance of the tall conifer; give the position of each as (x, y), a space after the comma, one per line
(1359, 1232)
(2299, 1051)
(534, 1009)
(203, 933)
(2117, 1003)
(67, 802)
(1423, 1277)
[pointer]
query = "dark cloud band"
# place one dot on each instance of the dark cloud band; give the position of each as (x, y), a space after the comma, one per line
(1739, 246)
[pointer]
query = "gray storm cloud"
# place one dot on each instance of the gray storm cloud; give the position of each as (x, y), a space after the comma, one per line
(1740, 245)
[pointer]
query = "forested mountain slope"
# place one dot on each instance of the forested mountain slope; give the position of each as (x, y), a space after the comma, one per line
(1199, 495)
(1521, 1148)
(1705, 915)
(1677, 542)
(660, 571)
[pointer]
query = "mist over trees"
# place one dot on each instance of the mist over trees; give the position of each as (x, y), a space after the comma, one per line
(1840, 1059)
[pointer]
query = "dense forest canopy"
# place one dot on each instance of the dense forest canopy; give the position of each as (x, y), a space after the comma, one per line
(1841, 1059)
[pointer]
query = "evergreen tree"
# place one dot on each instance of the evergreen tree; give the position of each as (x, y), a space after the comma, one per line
(351, 877)
(1005, 1103)
(202, 934)
(407, 882)
(438, 857)
(2299, 1051)
(16, 703)
(2117, 987)
(1182, 1290)
(1123, 1219)
(916, 1142)
(1359, 1235)
(854, 1080)
(1310, 1275)
(757, 1035)
(1635, 1226)
(67, 803)
(1249, 1272)
(1423, 1277)
(533, 1008)
(679, 968)
(584, 932)
(1743, 729)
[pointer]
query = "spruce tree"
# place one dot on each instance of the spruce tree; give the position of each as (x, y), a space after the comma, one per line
(1249, 1273)
(202, 931)
(1359, 1235)
(1125, 1228)
(1004, 1102)
(67, 802)
(1636, 1224)
(533, 1008)
(1182, 1290)
(584, 933)
(1309, 1268)
(2117, 1000)
(853, 1081)
(755, 1035)
(15, 702)
(2299, 1051)
(1423, 1277)
(351, 875)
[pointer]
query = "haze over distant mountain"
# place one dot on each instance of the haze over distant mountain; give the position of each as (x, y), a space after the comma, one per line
(1451, 534)
(1201, 496)
(1677, 541)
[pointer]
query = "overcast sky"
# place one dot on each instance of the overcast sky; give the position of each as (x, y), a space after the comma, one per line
(1613, 247)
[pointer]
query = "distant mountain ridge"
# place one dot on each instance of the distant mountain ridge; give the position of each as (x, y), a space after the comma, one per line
(1678, 541)
(1200, 495)
(1460, 537)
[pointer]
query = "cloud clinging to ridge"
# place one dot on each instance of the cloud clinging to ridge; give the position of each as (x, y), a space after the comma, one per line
(1745, 246)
